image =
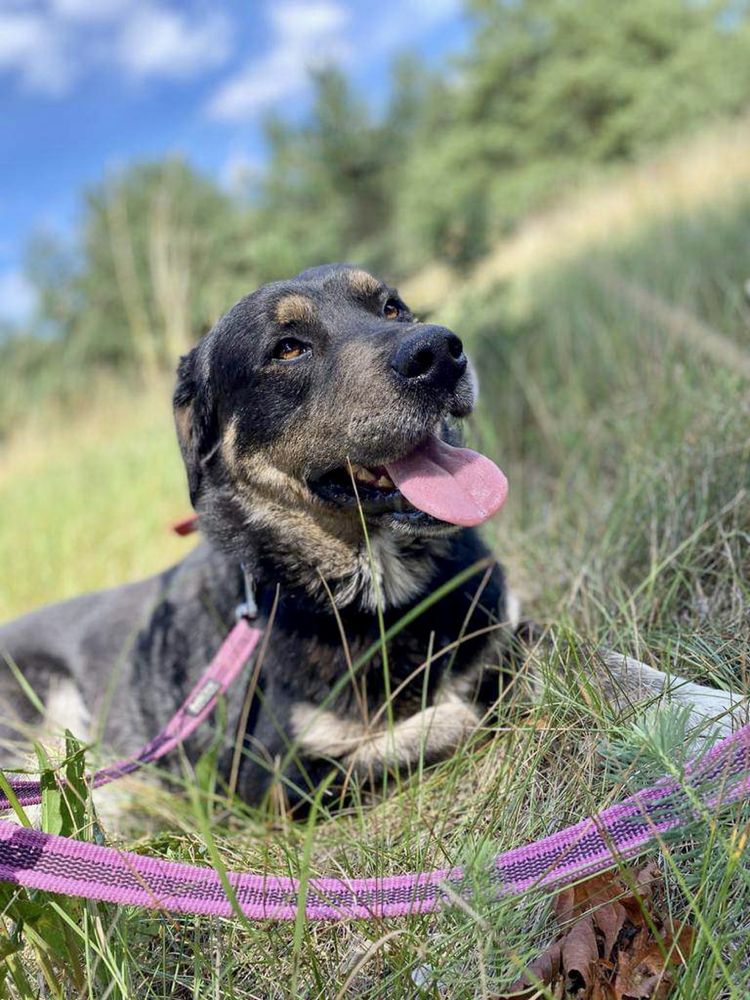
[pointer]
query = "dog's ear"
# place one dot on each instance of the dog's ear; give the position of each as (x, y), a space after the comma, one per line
(195, 419)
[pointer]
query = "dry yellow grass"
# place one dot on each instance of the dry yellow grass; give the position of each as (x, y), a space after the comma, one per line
(49, 431)
(684, 176)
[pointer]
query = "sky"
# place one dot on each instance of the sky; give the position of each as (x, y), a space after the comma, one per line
(89, 85)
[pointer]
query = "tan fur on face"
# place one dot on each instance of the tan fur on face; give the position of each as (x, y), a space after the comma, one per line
(312, 540)
(229, 446)
(363, 283)
(295, 309)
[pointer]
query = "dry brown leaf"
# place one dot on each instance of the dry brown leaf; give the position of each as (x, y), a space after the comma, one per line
(545, 969)
(574, 902)
(579, 955)
(681, 946)
(610, 920)
(606, 948)
(642, 972)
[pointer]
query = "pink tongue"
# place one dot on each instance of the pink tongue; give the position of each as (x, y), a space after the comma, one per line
(456, 485)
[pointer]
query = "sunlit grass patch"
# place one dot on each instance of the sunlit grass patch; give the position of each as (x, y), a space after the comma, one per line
(628, 523)
(87, 501)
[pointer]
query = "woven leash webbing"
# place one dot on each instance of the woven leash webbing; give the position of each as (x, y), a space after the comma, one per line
(223, 669)
(57, 864)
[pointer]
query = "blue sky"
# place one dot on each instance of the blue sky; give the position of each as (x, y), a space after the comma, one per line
(87, 85)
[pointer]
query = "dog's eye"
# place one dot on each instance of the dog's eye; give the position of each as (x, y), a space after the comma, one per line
(290, 349)
(391, 310)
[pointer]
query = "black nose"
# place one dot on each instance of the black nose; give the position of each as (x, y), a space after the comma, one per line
(432, 355)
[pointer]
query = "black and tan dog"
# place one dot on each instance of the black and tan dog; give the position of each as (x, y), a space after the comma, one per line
(318, 424)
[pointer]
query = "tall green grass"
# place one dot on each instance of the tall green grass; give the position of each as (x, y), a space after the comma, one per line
(627, 447)
(87, 499)
(628, 453)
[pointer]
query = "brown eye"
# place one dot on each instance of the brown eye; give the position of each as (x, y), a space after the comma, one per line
(391, 310)
(290, 349)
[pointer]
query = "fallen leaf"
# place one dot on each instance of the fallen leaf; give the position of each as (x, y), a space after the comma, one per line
(579, 954)
(610, 920)
(642, 973)
(613, 944)
(545, 969)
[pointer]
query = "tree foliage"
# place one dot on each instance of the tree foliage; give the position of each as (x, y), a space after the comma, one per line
(546, 89)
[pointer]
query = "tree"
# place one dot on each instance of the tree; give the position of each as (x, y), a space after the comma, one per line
(551, 87)
(161, 251)
(546, 90)
(324, 195)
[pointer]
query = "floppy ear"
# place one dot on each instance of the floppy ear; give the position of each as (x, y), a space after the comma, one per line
(195, 419)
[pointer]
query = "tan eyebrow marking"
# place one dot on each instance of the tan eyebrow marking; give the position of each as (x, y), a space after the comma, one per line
(363, 283)
(295, 309)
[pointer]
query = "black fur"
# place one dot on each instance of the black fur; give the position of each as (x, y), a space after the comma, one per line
(264, 439)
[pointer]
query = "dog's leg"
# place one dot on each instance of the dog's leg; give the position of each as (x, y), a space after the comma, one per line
(627, 681)
(428, 736)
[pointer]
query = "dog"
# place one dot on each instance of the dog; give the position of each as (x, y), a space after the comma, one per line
(319, 423)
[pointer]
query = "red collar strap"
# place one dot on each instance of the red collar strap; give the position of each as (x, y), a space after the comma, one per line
(186, 525)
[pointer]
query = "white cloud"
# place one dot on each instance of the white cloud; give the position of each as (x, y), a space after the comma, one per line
(297, 21)
(17, 297)
(433, 11)
(156, 41)
(31, 49)
(50, 45)
(407, 21)
(89, 10)
(306, 36)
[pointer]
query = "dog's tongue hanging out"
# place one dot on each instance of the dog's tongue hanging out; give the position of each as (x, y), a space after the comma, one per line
(456, 485)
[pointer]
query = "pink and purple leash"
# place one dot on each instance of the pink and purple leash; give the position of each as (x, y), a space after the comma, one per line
(223, 669)
(39, 860)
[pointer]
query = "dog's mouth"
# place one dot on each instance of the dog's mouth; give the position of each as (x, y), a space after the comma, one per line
(453, 485)
(371, 487)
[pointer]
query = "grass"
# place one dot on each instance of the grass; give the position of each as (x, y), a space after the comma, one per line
(628, 452)
(91, 498)
(684, 177)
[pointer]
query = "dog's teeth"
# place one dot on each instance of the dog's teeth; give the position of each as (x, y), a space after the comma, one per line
(369, 478)
(363, 475)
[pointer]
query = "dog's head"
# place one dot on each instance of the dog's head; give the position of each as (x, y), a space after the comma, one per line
(320, 403)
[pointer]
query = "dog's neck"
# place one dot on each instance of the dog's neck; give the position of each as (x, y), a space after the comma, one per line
(330, 560)
(381, 570)
(390, 571)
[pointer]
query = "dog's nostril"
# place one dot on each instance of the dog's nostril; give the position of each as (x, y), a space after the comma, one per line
(455, 347)
(421, 363)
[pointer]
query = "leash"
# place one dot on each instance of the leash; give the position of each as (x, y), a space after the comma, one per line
(75, 868)
(218, 676)
(37, 860)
